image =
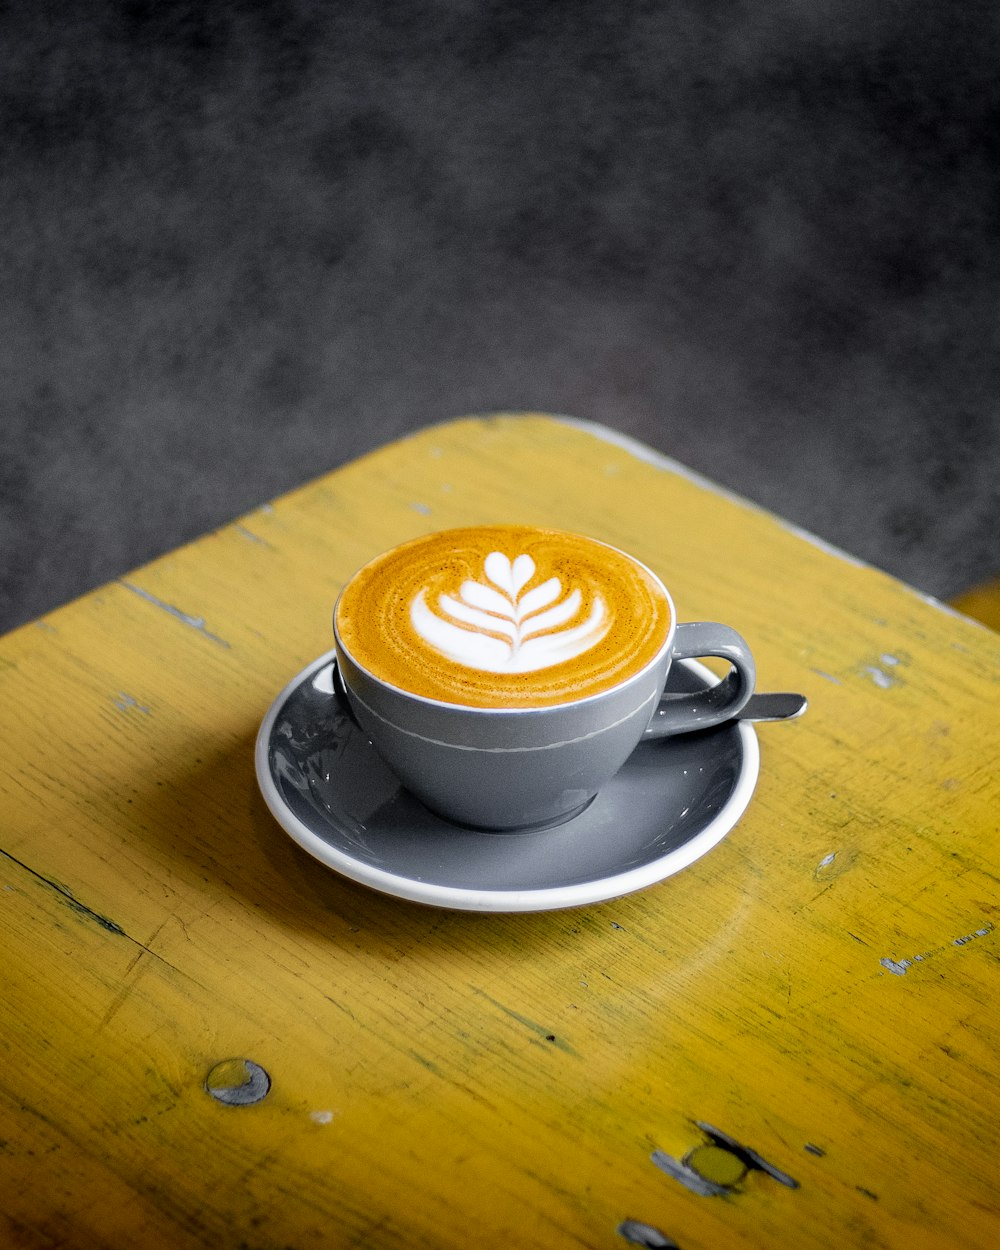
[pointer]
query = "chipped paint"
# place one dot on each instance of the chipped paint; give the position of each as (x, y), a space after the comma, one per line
(752, 1158)
(899, 967)
(688, 1178)
(882, 672)
(195, 622)
(835, 864)
(126, 702)
(721, 1181)
(646, 1235)
(422, 508)
(321, 1117)
(250, 536)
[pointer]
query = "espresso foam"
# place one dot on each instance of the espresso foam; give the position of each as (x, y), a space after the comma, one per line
(503, 616)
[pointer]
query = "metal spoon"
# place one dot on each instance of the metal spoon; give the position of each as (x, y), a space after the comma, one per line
(779, 705)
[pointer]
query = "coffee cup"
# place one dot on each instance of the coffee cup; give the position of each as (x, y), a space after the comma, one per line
(505, 673)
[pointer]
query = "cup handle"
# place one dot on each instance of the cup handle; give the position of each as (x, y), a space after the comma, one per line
(682, 713)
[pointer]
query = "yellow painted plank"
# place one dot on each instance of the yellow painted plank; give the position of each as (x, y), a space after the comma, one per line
(981, 602)
(822, 987)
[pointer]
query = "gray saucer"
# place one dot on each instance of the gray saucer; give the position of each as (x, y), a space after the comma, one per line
(329, 790)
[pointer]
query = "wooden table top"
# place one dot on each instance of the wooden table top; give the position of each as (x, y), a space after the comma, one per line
(792, 1043)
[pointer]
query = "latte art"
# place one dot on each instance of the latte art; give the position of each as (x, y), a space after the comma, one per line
(503, 616)
(498, 629)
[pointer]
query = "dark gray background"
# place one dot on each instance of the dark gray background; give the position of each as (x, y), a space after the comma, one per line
(243, 243)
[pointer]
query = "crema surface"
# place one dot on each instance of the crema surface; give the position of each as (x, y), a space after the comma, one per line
(503, 616)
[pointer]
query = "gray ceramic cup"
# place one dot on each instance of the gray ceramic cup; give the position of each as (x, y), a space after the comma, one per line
(525, 768)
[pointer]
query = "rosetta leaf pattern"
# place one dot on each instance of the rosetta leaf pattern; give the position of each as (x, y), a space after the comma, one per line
(498, 624)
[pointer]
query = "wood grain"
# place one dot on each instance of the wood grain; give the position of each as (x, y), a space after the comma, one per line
(822, 988)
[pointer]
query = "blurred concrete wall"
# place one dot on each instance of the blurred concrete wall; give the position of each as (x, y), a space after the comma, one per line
(243, 243)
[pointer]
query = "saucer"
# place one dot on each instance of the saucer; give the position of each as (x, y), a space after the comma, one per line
(329, 790)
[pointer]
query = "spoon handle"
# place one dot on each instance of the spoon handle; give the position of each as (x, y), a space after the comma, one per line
(773, 706)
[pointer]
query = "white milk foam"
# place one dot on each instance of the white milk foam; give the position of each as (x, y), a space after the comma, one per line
(497, 629)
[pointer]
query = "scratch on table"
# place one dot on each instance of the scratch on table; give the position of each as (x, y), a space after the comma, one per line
(125, 702)
(900, 967)
(826, 676)
(539, 1029)
(971, 937)
(124, 990)
(195, 622)
(250, 536)
(424, 1062)
(68, 897)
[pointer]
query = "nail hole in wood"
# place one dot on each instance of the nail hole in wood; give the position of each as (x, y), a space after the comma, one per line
(237, 1082)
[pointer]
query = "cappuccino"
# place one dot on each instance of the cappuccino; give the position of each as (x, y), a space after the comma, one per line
(504, 616)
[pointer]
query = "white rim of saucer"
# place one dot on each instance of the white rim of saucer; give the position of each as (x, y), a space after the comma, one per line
(551, 898)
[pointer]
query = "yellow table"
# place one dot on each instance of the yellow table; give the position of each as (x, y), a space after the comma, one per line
(792, 1043)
